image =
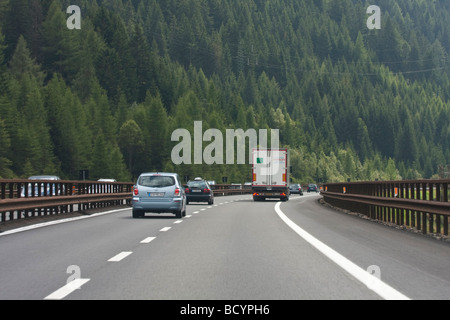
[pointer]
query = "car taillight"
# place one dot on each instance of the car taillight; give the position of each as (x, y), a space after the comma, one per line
(206, 190)
(177, 192)
(136, 191)
(187, 190)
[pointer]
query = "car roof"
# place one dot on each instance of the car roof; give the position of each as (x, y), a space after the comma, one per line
(44, 178)
(159, 173)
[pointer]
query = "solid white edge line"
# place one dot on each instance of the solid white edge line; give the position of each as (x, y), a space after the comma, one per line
(120, 256)
(55, 222)
(373, 283)
(67, 289)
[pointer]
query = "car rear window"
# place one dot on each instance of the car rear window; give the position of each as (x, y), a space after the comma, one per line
(197, 184)
(157, 181)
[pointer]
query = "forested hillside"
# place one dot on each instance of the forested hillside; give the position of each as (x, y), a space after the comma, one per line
(350, 103)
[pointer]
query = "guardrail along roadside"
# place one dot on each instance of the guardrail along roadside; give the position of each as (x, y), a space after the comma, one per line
(418, 204)
(21, 199)
(31, 198)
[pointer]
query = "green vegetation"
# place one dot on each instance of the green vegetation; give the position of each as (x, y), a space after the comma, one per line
(350, 103)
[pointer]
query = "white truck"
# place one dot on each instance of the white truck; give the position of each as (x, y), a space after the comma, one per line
(271, 174)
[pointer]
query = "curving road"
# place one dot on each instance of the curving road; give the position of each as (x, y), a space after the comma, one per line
(235, 250)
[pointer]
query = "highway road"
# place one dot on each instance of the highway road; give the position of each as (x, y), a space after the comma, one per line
(236, 249)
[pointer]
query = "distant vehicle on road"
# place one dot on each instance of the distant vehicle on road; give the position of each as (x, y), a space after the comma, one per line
(48, 189)
(271, 170)
(159, 193)
(296, 189)
(313, 188)
(199, 190)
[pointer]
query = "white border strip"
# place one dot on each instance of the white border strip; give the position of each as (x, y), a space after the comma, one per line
(67, 289)
(373, 283)
(60, 221)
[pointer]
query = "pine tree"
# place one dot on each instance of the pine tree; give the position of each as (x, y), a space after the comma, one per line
(101, 159)
(5, 144)
(23, 65)
(70, 132)
(156, 132)
(16, 23)
(406, 146)
(131, 141)
(61, 45)
(142, 62)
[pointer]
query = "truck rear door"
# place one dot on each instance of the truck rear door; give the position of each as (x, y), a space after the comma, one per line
(270, 167)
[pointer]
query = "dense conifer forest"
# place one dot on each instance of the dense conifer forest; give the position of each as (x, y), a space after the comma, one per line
(350, 102)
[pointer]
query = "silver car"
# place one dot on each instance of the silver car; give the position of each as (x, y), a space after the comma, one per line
(159, 193)
(49, 189)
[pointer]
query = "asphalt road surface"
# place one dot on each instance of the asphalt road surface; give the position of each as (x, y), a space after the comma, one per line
(236, 249)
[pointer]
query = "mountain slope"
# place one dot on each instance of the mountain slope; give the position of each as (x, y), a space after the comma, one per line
(351, 103)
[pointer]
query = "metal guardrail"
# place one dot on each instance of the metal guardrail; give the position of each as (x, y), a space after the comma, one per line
(418, 204)
(230, 189)
(20, 199)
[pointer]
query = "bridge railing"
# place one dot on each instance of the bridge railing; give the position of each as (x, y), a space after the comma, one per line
(231, 189)
(20, 199)
(419, 204)
(30, 198)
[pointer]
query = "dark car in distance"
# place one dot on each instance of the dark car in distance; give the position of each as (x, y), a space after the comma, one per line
(296, 189)
(199, 190)
(313, 188)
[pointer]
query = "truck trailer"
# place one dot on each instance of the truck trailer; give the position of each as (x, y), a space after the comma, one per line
(271, 174)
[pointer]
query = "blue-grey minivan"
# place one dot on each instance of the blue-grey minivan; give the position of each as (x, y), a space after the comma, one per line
(159, 192)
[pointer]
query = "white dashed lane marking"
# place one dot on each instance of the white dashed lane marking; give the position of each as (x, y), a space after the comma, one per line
(78, 283)
(120, 256)
(148, 240)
